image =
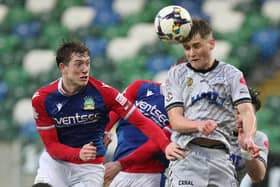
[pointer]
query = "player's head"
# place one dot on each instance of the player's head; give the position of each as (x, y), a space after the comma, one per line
(255, 99)
(199, 45)
(41, 185)
(73, 60)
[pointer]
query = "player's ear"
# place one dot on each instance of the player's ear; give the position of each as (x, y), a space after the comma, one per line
(211, 43)
(61, 67)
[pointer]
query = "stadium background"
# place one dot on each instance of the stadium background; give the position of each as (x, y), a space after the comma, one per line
(124, 47)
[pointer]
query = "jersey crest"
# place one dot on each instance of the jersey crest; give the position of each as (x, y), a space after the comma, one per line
(89, 103)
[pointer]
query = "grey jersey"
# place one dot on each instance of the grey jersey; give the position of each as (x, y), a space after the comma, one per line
(206, 95)
(261, 141)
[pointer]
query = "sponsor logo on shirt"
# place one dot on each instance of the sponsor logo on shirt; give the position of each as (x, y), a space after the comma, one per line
(152, 112)
(212, 97)
(76, 119)
(185, 182)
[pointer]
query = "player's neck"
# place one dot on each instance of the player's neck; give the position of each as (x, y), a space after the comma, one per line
(70, 89)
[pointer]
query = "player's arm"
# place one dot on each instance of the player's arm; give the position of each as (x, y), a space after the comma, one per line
(54, 147)
(142, 153)
(121, 105)
(138, 156)
(256, 167)
(60, 151)
(248, 118)
(181, 124)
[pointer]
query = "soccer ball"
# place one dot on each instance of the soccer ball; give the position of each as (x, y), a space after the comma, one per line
(173, 24)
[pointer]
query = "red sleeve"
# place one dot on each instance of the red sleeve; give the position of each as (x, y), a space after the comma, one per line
(114, 117)
(149, 128)
(121, 105)
(48, 133)
(142, 153)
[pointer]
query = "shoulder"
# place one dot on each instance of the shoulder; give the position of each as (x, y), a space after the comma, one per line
(177, 71)
(105, 90)
(230, 72)
(45, 91)
(229, 67)
(143, 82)
(99, 85)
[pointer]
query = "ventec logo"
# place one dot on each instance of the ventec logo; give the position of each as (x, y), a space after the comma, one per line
(77, 119)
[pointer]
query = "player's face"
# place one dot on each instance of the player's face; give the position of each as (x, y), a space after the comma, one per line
(198, 52)
(76, 73)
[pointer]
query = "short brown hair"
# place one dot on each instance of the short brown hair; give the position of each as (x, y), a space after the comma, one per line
(255, 98)
(63, 54)
(201, 27)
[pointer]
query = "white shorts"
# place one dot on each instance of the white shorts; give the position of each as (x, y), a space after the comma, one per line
(64, 174)
(202, 167)
(124, 179)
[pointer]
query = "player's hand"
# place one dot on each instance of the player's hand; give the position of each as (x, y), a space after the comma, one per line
(206, 127)
(248, 144)
(88, 152)
(111, 170)
(174, 152)
(107, 139)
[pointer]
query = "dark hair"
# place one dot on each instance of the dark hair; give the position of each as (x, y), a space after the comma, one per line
(64, 52)
(255, 99)
(201, 27)
(41, 184)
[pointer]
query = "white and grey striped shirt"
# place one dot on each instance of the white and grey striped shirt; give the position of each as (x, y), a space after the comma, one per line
(206, 95)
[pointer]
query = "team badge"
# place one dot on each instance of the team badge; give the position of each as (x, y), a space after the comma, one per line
(88, 103)
(189, 81)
